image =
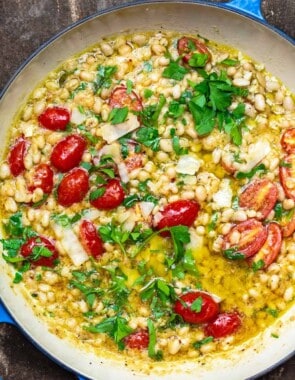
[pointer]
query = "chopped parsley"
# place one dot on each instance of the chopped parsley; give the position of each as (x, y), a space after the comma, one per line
(103, 77)
(233, 254)
(201, 342)
(174, 71)
(258, 265)
(259, 168)
(118, 115)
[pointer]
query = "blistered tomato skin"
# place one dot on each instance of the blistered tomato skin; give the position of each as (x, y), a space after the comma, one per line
(287, 175)
(271, 248)
(68, 153)
(42, 178)
(260, 195)
(54, 118)
(209, 308)
(73, 187)
(37, 242)
(184, 45)
(90, 239)
(137, 340)
(288, 140)
(112, 197)
(252, 236)
(225, 324)
(182, 212)
(134, 161)
(17, 155)
(120, 98)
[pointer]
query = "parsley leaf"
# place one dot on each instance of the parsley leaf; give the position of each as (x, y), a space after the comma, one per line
(118, 115)
(201, 342)
(258, 265)
(157, 355)
(104, 77)
(176, 144)
(65, 220)
(198, 60)
(252, 172)
(174, 71)
(233, 254)
(230, 62)
(273, 312)
(149, 137)
(197, 304)
(116, 327)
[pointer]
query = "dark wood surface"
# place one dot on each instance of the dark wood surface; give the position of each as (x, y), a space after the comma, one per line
(24, 26)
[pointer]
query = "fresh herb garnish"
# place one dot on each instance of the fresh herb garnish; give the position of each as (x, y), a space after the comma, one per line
(197, 305)
(233, 254)
(198, 60)
(174, 71)
(116, 327)
(148, 93)
(65, 220)
(259, 168)
(129, 86)
(230, 62)
(149, 137)
(104, 77)
(201, 342)
(176, 144)
(258, 265)
(273, 312)
(157, 355)
(118, 115)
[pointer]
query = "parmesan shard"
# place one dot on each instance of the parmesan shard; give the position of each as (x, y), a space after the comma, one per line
(188, 165)
(223, 197)
(111, 133)
(256, 153)
(77, 117)
(71, 244)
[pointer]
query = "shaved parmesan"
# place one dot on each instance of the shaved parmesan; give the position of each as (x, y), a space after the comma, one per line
(91, 214)
(71, 245)
(256, 153)
(223, 197)
(123, 172)
(188, 165)
(111, 133)
(77, 117)
(146, 208)
(113, 150)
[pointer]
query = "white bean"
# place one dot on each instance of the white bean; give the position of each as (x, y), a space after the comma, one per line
(259, 102)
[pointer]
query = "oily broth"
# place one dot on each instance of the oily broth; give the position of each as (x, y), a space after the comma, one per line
(259, 296)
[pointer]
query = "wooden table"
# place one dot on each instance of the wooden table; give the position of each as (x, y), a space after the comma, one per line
(24, 26)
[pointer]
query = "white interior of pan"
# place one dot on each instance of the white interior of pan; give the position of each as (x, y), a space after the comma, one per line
(217, 24)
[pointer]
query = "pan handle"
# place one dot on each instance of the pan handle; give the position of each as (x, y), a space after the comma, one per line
(4, 315)
(250, 7)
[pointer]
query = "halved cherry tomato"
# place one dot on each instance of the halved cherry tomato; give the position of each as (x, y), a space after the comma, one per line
(288, 140)
(288, 225)
(17, 155)
(138, 339)
(119, 98)
(209, 308)
(68, 152)
(134, 161)
(112, 197)
(33, 247)
(73, 187)
(182, 212)
(90, 239)
(287, 175)
(261, 196)
(187, 46)
(54, 118)
(252, 237)
(271, 248)
(225, 324)
(43, 178)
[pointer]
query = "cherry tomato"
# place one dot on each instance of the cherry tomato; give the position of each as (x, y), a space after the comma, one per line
(209, 308)
(182, 212)
(90, 239)
(112, 197)
(119, 99)
(54, 118)
(252, 237)
(225, 324)
(134, 161)
(187, 46)
(17, 155)
(73, 187)
(261, 196)
(68, 153)
(287, 175)
(34, 246)
(288, 225)
(138, 339)
(43, 178)
(271, 248)
(288, 140)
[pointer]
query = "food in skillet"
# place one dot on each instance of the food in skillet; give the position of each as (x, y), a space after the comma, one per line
(148, 197)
